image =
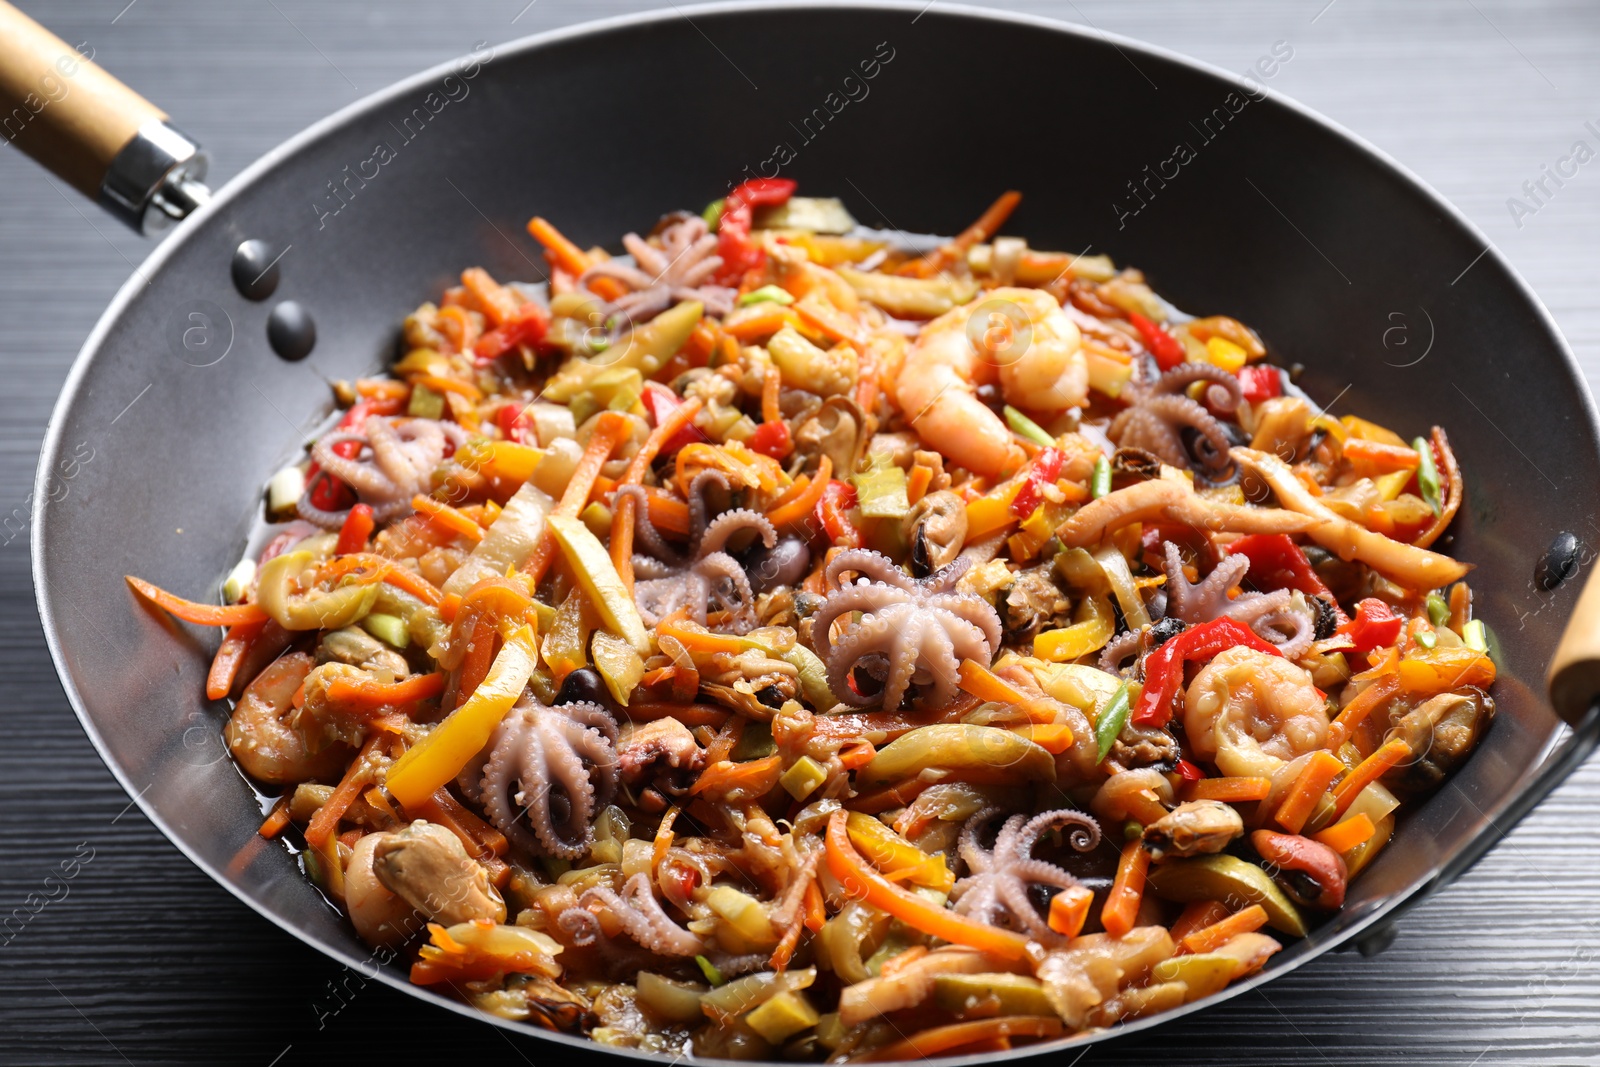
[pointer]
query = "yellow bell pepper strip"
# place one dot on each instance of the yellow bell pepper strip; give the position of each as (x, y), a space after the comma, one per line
(894, 855)
(1425, 672)
(1093, 627)
(600, 580)
(439, 756)
(610, 430)
(619, 665)
(199, 614)
(991, 513)
(861, 882)
(327, 611)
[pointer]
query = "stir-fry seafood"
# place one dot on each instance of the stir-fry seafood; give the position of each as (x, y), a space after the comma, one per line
(782, 643)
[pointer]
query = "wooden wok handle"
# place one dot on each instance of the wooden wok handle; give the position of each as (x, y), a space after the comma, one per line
(90, 130)
(1574, 680)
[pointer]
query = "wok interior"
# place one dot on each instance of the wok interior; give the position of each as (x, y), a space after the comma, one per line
(1272, 218)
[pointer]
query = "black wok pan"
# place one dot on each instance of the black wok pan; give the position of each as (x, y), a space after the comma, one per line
(1276, 217)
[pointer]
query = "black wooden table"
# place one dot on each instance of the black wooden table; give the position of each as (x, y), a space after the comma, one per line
(119, 951)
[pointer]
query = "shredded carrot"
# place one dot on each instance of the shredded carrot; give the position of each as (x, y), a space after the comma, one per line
(973, 677)
(448, 517)
(690, 715)
(664, 837)
(199, 614)
(1346, 835)
(480, 655)
(276, 819)
(497, 302)
(366, 693)
(1212, 937)
(1197, 915)
(568, 257)
(764, 323)
(816, 911)
(946, 255)
(609, 432)
(1309, 785)
(1389, 755)
(1377, 457)
(1230, 790)
(857, 755)
(801, 507)
(770, 386)
(1054, 738)
(382, 389)
(917, 483)
(963, 1035)
(1121, 909)
(230, 654)
(323, 824)
(1364, 703)
(449, 385)
(754, 777)
(444, 809)
(622, 522)
(795, 488)
(379, 569)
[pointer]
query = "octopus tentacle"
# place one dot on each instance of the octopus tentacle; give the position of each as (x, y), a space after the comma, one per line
(743, 602)
(866, 563)
(642, 918)
(1205, 600)
(996, 889)
(1223, 391)
(644, 531)
(863, 596)
(544, 776)
(699, 509)
(1120, 648)
(724, 526)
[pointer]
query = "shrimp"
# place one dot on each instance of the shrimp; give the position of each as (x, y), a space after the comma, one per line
(264, 737)
(382, 917)
(1021, 338)
(1250, 713)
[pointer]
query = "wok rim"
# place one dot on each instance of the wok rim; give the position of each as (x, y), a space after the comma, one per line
(1560, 756)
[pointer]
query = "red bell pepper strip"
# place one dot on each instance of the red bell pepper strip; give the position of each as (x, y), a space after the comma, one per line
(1163, 669)
(527, 327)
(357, 528)
(1162, 345)
(1260, 381)
(1375, 626)
(1276, 562)
(771, 439)
(837, 499)
(1188, 771)
(514, 423)
(1044, 470)
(329, 493)
(739, 253)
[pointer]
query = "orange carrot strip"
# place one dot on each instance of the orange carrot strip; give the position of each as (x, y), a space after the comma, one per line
(861, 882)
(917, 483)
(801, 507)
(1197, 915)
(199, 614)
(770, 386)
(947, 254)
(1054, 738)
(1362, 705)
(448, 517)
(323, 824)
(1210, 938)
(1230, 790)
(663, 840)
(568, 257)
(1069, 910)
(725, 776)
(1346, 835)
(857, 755)
(608, 433)
(1379, 457)
(382, 389)
(230, 654)
(622, 524)
(973, 677)
(1121, 909)
(449, 385)
(816, 911)
(967, 1034)
(494, 299)
(771, 319)
(442, 808)
(276, 819)
(1388, 756)
(1309, 785)
(369, 694)
(379, 569)
(689, 714)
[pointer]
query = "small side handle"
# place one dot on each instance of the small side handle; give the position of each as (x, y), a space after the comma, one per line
(1574, 679)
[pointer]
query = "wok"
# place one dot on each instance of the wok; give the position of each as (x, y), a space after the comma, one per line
(1273, 215)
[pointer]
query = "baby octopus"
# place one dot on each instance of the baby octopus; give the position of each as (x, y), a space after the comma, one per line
(911, 631)
(1160, 411)
(995, 891)
(394, 460)
(706, 573)
(544, 774)
(1279, 616)
(680, 269)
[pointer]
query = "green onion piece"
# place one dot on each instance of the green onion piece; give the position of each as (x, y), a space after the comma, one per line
(708, 968)
(1132, 830)
(713, 214)
(1427, 638)
(1101, 483)
(1474, 636)
(425, 403)
(881, 493)
(754, 743)
(767, 294)
(1025, 426)
(1438, 609)
(1113, 717)
(1428, 475)
(390, 629)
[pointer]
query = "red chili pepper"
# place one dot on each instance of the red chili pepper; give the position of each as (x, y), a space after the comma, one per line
(1044, 470)
(514, 423)
(739, 253)
(837, 499)
(357, 528)
(771, 439)
(1163, 668)
(330, 494)
(1260, 381)
(1276, 562)
(526, 328)
(1188, 771)
(1375, 626)
(661, 403)
(1165, 347)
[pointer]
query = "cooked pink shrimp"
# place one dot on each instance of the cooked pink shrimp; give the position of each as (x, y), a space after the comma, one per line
(1251, 713)
(1018, 337)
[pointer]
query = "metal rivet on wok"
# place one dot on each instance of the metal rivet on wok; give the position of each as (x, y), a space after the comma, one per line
(291, 331)
(1560, 561)
(255, 269)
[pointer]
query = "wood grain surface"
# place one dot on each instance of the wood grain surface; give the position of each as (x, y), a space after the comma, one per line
(136, 957)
